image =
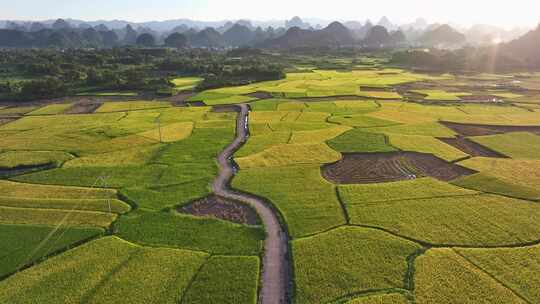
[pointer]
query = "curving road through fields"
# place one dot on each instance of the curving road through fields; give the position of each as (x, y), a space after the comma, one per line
(275, 264)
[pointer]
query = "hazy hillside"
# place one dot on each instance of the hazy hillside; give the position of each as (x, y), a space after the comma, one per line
(286, 34)
(443, 36)
(335, 34)
(526, 48)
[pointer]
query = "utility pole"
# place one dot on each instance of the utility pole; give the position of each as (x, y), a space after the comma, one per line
(103, 180)
(158, 121)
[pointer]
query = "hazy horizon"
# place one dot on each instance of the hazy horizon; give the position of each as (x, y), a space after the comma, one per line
(465, 13)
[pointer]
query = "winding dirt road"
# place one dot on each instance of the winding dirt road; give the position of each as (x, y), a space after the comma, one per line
(275, 264)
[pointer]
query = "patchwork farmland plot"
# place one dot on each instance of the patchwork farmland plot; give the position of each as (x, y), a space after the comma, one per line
(308, 137)
(319, 83)
(30, 246)
(426, 144)
(51, 109)
(423, 129)
(185, 83)
(152, 174)
(440, 206)
(60, 197)
(357, 140)
(84, 273)
(439, 95)
(128, 157)
(283, 155)
(152, 166)
(34, 216)
(130, 106)
(499, 176)
(8, 111)
(439, 273)
(460, 220)
(345, 261)
(514, 145)
(307, 202)
(12, 159)
(404, 190)
(381, 200)
(220, 275)
(361, 121)
(515, 268)
(171, 269)
(184, 231)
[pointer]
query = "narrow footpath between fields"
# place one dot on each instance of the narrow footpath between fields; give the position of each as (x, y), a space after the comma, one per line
(275, 264)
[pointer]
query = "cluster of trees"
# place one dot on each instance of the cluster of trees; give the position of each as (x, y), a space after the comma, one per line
(237, 67)
(46, 87)
(47, 73)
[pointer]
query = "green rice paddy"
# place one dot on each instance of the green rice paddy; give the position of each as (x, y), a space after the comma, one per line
(99, 223)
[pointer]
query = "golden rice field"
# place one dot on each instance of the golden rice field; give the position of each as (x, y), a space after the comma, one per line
(384, 197)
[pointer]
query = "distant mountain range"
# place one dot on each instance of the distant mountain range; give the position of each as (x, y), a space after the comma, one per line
(524, 49)
(476, 31)
(294, 33)
(335, 34)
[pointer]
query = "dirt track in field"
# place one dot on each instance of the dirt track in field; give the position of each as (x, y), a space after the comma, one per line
(370, 168)
(221, 208)
(471, 148)
(4, 121)
(483, 130)
(83, 107)
(275, 264)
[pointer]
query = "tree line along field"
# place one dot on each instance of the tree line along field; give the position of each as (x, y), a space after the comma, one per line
(386, 198)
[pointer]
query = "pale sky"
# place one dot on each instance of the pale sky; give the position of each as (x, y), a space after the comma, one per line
(466, 12)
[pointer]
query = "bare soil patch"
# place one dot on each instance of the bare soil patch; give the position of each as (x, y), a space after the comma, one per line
(221, 208)
(376, 89)
(180, 100)
(471, 148)
(20, 170)
(369, 168)
(260, 95)
(226, 109)
(83, 107)
(481, 98)
(197, 104)
(4, 121)
(483, 130)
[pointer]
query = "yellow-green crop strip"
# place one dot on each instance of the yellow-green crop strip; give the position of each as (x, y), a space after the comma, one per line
(98, 219)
